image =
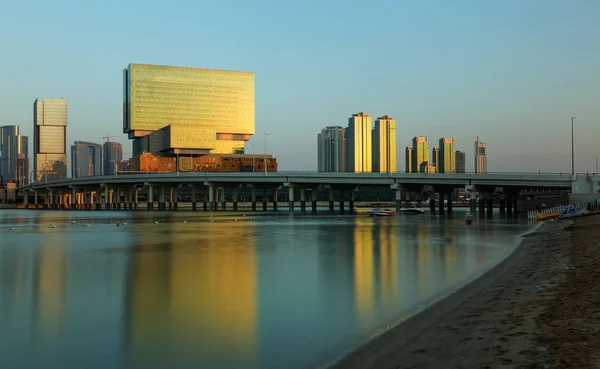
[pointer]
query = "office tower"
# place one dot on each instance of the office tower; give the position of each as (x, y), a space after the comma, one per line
(14, 155)
(358, 144)
(447, 156)
(427, 167)
(331, 146)
(460, 162)
(86, 159)
(480, 157)
(191, 111)
(409, 159)
(384, 145)
(112, 155)
(50, 139)
(435, 158)
(420, 152)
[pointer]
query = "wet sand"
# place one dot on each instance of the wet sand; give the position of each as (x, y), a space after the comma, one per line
(539, 308)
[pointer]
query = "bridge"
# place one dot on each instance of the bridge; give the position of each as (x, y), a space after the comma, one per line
(123, 191)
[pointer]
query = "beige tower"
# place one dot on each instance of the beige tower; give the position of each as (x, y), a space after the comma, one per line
(480, 157)
(50, 139)
(358, 144)
(384, 145)
(420, 153)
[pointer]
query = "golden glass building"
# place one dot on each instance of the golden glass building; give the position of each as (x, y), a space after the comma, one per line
(173, 110)
(50, 139)
(420, 154)
(447, 156)
(384, 145)
(358, 144)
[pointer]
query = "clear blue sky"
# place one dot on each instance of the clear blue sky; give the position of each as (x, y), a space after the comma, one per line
(511, 71)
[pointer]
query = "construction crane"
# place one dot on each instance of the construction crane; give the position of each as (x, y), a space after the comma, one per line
(107, 137)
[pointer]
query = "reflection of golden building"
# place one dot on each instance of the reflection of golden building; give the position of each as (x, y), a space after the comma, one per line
(169, 109)
(364, 268)
(388, 269)
(198, 299)
(424, 258)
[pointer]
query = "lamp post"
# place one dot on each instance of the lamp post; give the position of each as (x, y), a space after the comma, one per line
(265, 163)
(572, 146)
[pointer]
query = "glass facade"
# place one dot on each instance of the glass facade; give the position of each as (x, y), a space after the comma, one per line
(420, 154)
(384, 145)
(14, 148)
(49, 137)
(331, 149)
(196, 99)
(112, 155)
(447, 156)
(359, 144)
(86, 159)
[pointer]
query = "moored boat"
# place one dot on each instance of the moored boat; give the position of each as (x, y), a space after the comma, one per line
(380, 213)
(412, 208)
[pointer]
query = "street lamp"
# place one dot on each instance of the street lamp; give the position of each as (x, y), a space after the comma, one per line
(265, 164)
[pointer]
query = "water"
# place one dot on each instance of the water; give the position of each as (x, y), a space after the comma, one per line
(279, 291)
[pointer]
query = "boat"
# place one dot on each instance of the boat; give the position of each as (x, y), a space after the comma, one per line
(547, 216)
(469, 219)
(572, 211)
(380, 213)
(412, 208)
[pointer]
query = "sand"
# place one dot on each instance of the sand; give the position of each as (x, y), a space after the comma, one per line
(539, 308)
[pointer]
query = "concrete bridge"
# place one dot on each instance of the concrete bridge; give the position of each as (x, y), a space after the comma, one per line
(124, 190)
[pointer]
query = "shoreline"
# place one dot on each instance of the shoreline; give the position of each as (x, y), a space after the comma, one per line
(477, 325)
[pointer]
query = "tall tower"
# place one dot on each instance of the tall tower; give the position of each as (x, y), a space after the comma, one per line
(460, 162)
(480, 157)
(14, 160)
(112, 154)
(409, 159)
(435, 158)
(86, 159)
(331, 145)
(50, 139)
(358, 144)
(447, 156)
(420, 153)
(384, 145)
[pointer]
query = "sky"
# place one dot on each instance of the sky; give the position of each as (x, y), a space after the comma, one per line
(512, 72)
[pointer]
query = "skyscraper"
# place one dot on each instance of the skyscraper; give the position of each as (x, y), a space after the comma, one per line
(447, 156)
(50, 139)
(14, 158)
(384, 145)
(112, 154)
(331, 146)
(86, 159)
(480, 157)
(420, 153)
(460, 162)
(409, 160)
(435, 158)
(358, 144)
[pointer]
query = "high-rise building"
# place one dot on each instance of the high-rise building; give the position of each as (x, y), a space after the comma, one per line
(480, 157)
(112, 155)
(14, 155)
(384, 145)
(427, 167)
(460, 162)
(420, 152)
(86, 159)
(331, 146)
(409, 160)
(358, 144)
(50, 139)
(435, 158)
(447, 160)
(191, 111)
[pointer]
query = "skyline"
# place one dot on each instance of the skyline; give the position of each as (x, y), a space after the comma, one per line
(507, 72)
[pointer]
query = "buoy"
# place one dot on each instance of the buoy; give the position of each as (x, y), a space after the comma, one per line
(185, 221)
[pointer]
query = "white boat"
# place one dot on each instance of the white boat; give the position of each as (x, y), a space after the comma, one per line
(412, 208)
(380, 213)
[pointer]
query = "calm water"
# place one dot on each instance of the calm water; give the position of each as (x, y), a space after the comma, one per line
(275, 292)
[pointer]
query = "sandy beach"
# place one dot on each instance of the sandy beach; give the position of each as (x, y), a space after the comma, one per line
(538, 308)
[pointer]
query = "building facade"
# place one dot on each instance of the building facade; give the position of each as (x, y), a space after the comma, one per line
(14, 155)
(331, 147)
(86, 159)
(384, 145)
(420, 153)
(50, 139)
(435, 158)
(171, 110)
(409, 160)
(480, 157)
(447, 159)
(112, 155)
(358, 144)
(460, 162)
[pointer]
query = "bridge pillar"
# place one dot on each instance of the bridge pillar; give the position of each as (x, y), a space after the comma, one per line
(264, 199)
(450, 201)
(73, 199)
(51, 197)
(502, 206)
(398, 198)
(174, 198)
(515, 204)
(509, 205)
(234, 196)
(211, 197)
(162, 202)
(275, 193)
(481, 204)
(341, 201)
(204, 200)
(473, 203)
(194, 198)
(303, 200)
(170, 200)
(442, 196)
(490, 205)
(253, 195)
(35, 199)
(331, 206)
(313, 200)
(291, 198)
(432, 204)
(150, 200)
(106, 198)
(25, 200)
(136, 192)
(351, 201)
(98, 198)
(223, 201)
(116, 199)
